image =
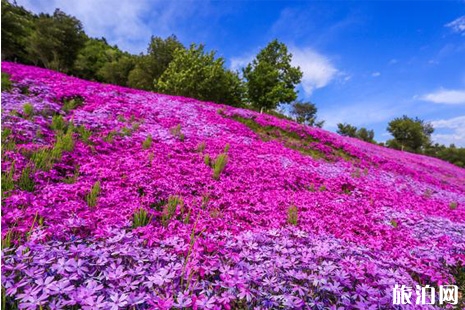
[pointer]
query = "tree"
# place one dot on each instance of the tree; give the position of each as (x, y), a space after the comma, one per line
(117, 71)
(411, 134)
(365, 135)
(17, 25)
(270, 78)
(197, 74)
(346, 130)
(56, 41)
(93, 57)
(150, 67)
(305, 113)
(354, 132)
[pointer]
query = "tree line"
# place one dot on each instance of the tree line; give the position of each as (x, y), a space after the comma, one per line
(57, 41)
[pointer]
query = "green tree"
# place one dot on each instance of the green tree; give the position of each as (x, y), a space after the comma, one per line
(410, 134)
(365, 135)
(197, 74)
(93, 57)
(17, 25)
(150, 67)
(117, 71)
(56, 41)
(346, 130)
(305, 113)
(270, 78)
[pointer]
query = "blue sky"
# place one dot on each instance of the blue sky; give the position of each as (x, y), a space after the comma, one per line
(364, 62)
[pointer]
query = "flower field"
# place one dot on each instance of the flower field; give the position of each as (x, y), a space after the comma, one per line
(114, 198)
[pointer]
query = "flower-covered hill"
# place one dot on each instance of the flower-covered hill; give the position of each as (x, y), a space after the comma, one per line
(118, 198)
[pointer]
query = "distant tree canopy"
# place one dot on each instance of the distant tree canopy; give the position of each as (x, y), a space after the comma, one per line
(17, 26)
(150, 67)
(270, 78)
(354, 132)
(198, 74)
(56, 40)
(305, 113)
(95, 54)
(409, 134)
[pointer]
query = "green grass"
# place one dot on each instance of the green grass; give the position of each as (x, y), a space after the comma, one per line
(169, 210)
(291, 140)
(85, 134)
(147, 142)
(25, 181)
(91, 197)
(292, 215)
(72, 103)
(177, 132)
(219, 164)
(141, 218)
(6, 82)
(8, 182)
(28, 110)
(58, 123)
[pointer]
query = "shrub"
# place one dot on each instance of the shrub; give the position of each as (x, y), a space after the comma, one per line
(147, 143)
(25, 181)
(169, 209)
(91, 197)
(141, 218)
(219, 165)
(292, 215)
(28, 110)
(6, 82)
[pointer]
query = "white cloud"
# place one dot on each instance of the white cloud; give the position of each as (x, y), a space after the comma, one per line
(455, 125)
(318, 71)
(127, 23)
(445, 96)
(458, 25)
(376, 74)
(393, 61)
(237, 63)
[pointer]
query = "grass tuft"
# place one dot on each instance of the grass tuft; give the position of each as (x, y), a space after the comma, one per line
(219, 165)
(147, 142)
(292, 215)
(169, 210)
(177, 132)
(91, 197)
(141, 218)
(28, 110)
(25, 181)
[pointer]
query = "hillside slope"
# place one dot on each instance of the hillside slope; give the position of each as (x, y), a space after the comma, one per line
(299, 217)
